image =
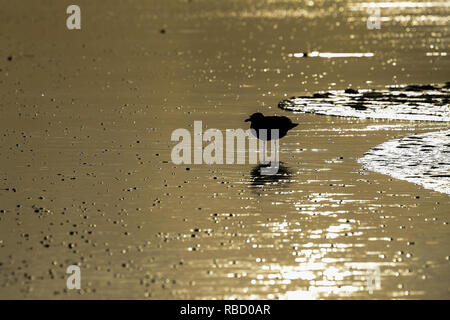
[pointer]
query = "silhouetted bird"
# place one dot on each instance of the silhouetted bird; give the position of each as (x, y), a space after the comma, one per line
(259, 121)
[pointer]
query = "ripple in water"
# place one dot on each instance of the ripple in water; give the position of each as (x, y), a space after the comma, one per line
(414, 102)
(423, 159)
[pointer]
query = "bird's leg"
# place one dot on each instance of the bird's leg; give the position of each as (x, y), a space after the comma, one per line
(264, 152)
(277, 151)
(263, 141)
(272, 163)
(275, 145)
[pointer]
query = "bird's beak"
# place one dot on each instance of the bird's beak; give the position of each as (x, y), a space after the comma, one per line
(247, 120)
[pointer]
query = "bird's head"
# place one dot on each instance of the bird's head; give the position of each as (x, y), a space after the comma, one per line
(255, 117)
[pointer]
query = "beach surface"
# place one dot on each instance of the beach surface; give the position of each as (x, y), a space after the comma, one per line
(86, 174)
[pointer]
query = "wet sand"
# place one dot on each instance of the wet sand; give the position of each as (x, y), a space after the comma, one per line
(423, 159)
(87, 179)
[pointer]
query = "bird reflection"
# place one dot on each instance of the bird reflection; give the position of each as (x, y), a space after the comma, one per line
(281, 177)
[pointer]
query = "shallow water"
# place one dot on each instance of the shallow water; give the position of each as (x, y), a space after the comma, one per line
(86, 176)
(413, 103)
(423, 159)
